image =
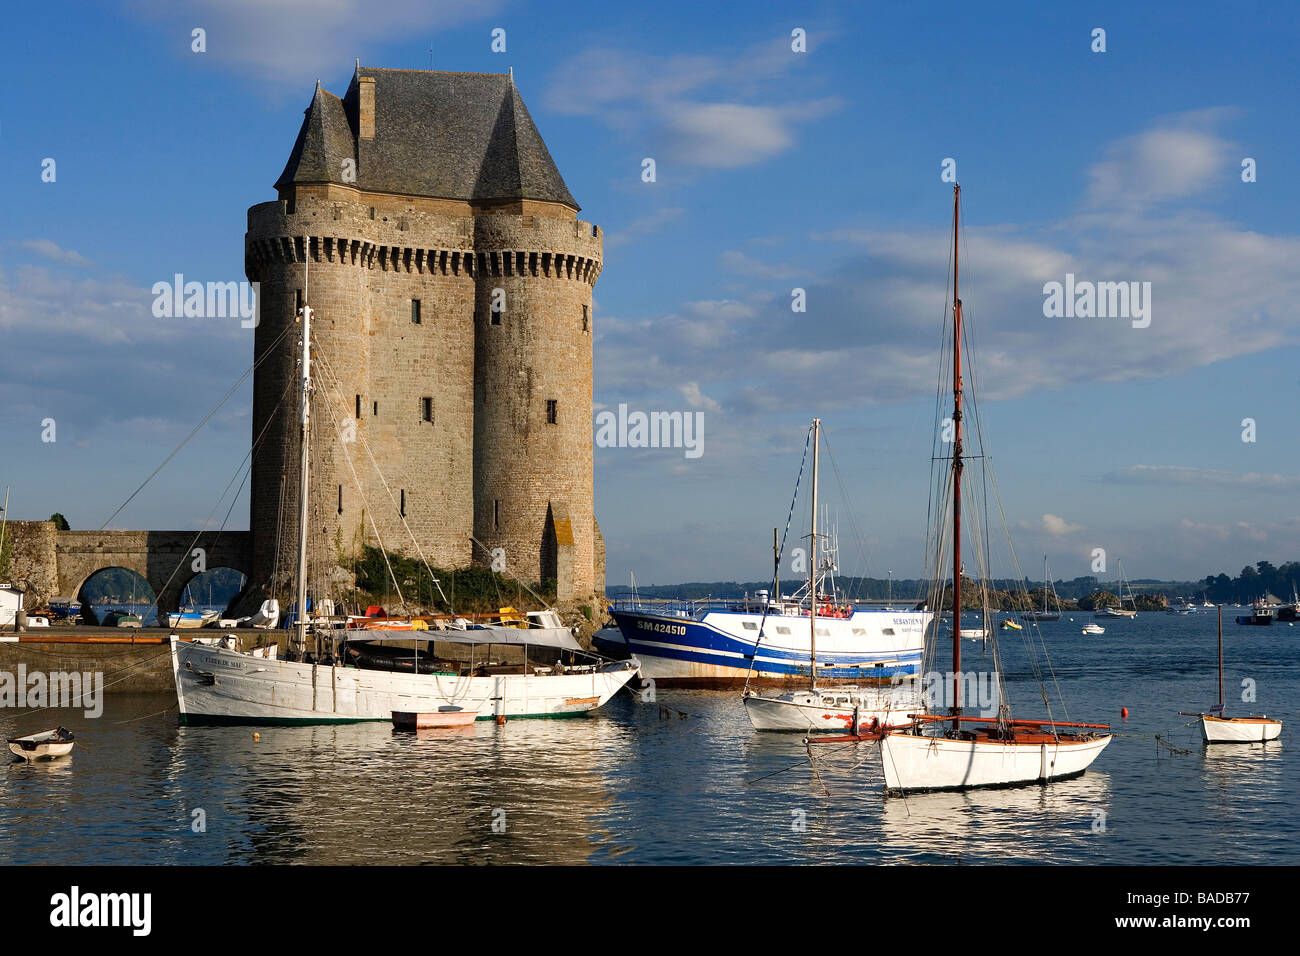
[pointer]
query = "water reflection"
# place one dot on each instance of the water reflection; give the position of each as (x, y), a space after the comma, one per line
(525, 792)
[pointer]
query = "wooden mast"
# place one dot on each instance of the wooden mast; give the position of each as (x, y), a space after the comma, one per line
(304, 458)
(812, 570)
(956, 461)
(1220, 660)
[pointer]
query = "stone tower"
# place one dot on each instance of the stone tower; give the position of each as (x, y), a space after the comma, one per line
(451, 287)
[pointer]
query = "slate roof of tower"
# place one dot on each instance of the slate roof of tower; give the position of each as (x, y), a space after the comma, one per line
(465, 136)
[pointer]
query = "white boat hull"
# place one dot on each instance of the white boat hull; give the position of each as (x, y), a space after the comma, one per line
(42, 751)
(1239, 730)
(833, 710)
(217, 685)
(913, 763)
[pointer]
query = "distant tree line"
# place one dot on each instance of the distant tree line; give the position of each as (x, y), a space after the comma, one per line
(1150, 594)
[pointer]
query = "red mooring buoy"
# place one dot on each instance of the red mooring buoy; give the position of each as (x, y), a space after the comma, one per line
(1123, 712)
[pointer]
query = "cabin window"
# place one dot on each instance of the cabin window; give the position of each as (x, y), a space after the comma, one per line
(782, 630)
(552, 411)
(415, 311)
(403, 505)
(585, 320)
(749, 625)
(861, 631)
(887, 631)
(822, 632)
(426, 409)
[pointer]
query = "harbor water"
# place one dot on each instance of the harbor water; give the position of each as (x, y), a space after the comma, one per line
(683, 779)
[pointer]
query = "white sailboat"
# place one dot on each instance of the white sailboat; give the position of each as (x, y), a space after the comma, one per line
(216, 683)
(1218, 729)
(952, 751)
(1127, 605)
(1046, 614)
(852, 709)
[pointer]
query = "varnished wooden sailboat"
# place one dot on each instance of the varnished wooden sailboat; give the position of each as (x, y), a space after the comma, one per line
(956, 752)
(1218, 729)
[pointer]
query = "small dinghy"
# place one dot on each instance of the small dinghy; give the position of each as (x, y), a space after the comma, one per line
(448, 716)
(47, 744)
(1093, 629)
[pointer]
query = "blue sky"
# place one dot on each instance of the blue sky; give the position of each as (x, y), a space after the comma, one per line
(775, 170)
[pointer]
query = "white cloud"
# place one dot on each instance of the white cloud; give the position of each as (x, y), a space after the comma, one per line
(1205, 477)
(1053, 524)
(642, 226)
(692, 110)
(49, 249)
(742, 264)
(697, 399)
(294, 41)
(1178, 157)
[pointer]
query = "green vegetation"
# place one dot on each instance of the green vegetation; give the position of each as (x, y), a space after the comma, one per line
(60, 522)
(1098, 600)
(472, 590)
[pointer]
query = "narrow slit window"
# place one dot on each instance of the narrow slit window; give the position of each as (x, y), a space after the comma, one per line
(496, 514)
(358, 414)
(586, 321)
(340, 499)
(426, 409)
(403, 502)
(415, 311)
(297, 302)
(376, 409)
(496, 317)
(552, 411)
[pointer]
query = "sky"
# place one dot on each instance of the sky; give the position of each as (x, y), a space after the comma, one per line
(795, 147)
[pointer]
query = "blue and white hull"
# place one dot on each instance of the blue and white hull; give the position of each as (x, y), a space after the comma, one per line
(714, 648)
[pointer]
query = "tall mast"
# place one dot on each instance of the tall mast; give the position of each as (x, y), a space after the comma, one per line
(956, 461)
(1220, 660)
(305, 424)
(812, 569)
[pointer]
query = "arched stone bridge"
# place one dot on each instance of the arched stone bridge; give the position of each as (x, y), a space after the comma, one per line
(50, 563)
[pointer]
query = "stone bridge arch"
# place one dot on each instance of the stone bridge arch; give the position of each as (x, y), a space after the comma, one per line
(164, 559)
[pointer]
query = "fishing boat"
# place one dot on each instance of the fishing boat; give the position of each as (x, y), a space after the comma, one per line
(846, 708)
(1046, 614)
(333, 673)
(45, 745)
(953, 751)
(1261, 615)
(1093, 629)
(767, 639)
(1218, 729)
